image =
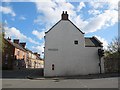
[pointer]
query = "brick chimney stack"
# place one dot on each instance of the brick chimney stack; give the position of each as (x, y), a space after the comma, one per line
(37, 54)
(23, 44)
(64, 15)
(16, 41)
(9, 39)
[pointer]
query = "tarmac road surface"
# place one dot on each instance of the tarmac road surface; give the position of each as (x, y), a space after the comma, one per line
(61, 83)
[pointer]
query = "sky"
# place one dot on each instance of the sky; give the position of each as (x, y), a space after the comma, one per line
(28, 20)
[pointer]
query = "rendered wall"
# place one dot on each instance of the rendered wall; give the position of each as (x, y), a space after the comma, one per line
(68, 58)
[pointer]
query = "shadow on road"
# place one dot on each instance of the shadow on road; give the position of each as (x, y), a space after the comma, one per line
(92, 76)
(38, 74)
(21, 74)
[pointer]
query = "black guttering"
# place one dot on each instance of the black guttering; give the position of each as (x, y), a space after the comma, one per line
(76, 27)
(97, 40)
(52, 27)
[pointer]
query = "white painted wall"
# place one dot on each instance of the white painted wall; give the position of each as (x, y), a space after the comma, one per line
(68, 58)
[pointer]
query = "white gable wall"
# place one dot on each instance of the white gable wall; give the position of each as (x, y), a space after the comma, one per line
(68, 58)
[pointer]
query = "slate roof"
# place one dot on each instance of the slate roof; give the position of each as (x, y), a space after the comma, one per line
(16, 45)
(92, 42)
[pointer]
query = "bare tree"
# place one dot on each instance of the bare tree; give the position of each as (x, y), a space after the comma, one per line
(113, 48)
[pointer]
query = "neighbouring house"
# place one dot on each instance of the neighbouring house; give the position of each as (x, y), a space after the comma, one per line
(17, 56)
(7, 55)
(34, 60)
(68, 52)
(14, 55)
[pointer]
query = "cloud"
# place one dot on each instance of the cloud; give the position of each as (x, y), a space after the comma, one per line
(22, 18)
(103, 16)
(7, 10)
(81, 5)
(39, 49)
(97, 5)
(94, 12)
(52, 13)
(32, 40)
(15, 33)
(108, 18)
(39, 35)
(111, 4)
(6, 0)
(79, 22)
(105, 43)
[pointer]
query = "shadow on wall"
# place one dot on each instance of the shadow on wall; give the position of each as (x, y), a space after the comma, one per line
(19, 64)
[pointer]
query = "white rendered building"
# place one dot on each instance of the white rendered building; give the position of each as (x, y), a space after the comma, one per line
(68, 52)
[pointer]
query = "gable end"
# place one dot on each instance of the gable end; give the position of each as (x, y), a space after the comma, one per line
(52, 27)
(76, 27)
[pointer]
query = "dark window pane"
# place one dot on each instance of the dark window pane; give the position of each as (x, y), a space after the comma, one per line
(75, 42)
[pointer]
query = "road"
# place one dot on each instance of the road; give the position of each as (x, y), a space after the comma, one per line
(61, 83)
(17, 79)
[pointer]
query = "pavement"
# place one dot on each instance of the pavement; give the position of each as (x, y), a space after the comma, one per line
(91, 76)
(38, 74)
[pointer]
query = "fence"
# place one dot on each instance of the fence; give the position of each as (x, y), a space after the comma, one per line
(112, 65)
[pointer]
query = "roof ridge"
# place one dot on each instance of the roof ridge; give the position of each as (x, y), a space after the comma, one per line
(15, 45)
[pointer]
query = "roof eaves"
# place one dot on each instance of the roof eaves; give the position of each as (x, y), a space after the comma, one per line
(76, 27)
(9, 42)
(89, 46)
(97, 39)
(52, 27)
(18, 46)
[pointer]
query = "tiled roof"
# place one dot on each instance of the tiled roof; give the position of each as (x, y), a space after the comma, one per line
(92, 42)
(16, 45)
(88, 42)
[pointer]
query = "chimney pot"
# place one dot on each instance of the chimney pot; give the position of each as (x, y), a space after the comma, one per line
(16, 41)
(23, 44)
(65, 12)
(39, 55)
(64, 16)
(9, 39)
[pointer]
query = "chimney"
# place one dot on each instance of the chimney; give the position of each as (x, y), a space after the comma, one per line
(16, 41)
(37, 54)
(9, 39)
(23, 44)
(64, 15)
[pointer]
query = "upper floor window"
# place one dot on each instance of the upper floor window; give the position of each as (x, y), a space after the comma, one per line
(76, 42)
